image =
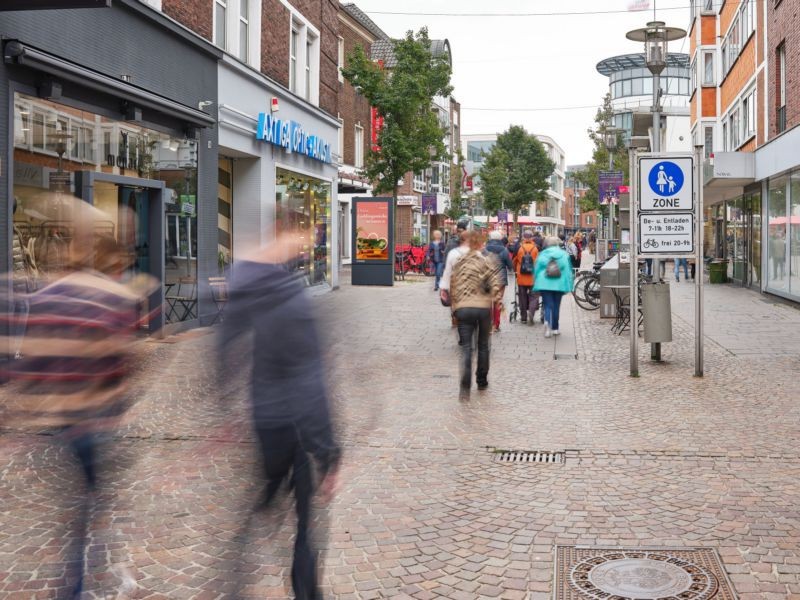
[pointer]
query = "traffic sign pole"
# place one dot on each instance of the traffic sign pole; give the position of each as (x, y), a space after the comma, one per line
(699, 337)
(634, 265)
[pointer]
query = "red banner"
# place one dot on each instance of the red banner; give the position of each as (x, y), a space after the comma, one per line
(376, 126)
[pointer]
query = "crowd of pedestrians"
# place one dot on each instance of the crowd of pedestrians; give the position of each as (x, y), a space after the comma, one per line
(476, 274)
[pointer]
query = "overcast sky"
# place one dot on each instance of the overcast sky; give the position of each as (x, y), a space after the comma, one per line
(513, 62)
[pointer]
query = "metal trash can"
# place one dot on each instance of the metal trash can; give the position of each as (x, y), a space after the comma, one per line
(657, 313)
(718, 271)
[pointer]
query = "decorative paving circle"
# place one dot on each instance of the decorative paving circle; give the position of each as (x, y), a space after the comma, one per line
(643, 575)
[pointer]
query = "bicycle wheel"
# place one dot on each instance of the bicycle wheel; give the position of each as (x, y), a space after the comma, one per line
(584, 292)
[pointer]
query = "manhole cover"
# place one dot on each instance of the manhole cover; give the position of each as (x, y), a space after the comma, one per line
(640, 574)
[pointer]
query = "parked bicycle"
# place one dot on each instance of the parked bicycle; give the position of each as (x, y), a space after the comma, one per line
(586, 289)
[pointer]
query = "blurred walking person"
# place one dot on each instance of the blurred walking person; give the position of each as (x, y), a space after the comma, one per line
(496, 250)
(70, 376)
(574, 252)
(473, 289)
(437, 255)
(553, 279)
(524, 264)
(681, 262)
(271, 314)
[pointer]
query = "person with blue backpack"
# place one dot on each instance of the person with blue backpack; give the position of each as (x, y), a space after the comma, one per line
(438, 257)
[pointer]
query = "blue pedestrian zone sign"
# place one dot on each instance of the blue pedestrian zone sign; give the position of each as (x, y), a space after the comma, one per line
(666, 179)
(666, 184)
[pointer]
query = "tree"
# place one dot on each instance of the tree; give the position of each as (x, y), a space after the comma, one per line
(412, 136)
(599, 162)
(516, 172)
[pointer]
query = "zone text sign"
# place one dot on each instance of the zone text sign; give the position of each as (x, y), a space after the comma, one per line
(666, 233)
(666, 183)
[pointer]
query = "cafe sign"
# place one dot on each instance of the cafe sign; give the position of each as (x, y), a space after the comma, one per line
(291, 136)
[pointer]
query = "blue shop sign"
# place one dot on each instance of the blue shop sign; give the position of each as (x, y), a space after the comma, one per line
(291, 136)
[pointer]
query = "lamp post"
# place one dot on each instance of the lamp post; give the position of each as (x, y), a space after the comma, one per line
(656, 37)
(610, 138)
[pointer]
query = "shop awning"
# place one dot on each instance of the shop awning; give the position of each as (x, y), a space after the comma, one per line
(17, 53)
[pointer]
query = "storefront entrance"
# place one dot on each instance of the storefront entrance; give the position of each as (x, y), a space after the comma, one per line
(742, 239)
(135, 218)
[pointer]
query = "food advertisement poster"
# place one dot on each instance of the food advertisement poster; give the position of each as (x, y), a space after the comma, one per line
(372, 231)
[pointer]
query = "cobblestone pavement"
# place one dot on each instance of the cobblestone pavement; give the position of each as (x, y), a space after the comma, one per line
(425, 511)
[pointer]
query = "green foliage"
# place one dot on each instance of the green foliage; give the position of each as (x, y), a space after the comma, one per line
(412, 137)
(599, 162)
(516, 172)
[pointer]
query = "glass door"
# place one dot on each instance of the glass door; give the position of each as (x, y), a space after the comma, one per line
(753, 246)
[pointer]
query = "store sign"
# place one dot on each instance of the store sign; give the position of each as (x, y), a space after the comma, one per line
(666, 233)
(291, 136)
(666, 184)
(429, 204)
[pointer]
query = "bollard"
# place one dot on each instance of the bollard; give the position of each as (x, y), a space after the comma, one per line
(657, 313)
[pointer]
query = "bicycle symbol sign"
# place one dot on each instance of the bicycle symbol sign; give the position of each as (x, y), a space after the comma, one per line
(666, 179)
(650, 243)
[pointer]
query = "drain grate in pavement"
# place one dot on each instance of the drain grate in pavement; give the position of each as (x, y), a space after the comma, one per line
(529, 456)
(595, 573)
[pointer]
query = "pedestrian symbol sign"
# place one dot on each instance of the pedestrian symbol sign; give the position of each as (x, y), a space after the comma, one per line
(666, 179)
(666, 184)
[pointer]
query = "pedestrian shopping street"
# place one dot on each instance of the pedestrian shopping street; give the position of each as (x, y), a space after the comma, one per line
(425, 509)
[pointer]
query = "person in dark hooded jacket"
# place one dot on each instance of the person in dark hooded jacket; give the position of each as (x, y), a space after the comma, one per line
(290, 409)
(503, 264)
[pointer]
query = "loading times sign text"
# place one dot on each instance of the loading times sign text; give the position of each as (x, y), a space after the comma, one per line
(666, 233)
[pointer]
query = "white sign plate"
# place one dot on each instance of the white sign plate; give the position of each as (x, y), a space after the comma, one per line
(666, 233)
(666, 183)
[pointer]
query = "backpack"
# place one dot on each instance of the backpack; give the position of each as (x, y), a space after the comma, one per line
(471, 277)
(526, 264)
(553, 271)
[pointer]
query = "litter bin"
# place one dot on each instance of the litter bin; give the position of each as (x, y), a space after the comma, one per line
(657, 313)
(718, 271)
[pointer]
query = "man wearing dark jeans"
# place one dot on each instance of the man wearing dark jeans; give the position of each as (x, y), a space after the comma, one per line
(471, 320)
(290, 409)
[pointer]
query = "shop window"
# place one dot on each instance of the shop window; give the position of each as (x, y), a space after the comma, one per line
(777, 273)
(303, 206)
(41, 183)
(793, 217)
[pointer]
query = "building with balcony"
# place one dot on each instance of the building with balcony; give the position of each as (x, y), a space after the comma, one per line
(547, 215)
(746, 114)
(631, 87)
(576, 219)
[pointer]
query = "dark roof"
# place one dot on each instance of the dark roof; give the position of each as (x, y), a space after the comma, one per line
(383, 50)
(361, 17)
(632, 61)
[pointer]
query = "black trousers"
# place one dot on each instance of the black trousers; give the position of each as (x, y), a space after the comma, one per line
(528, 301)
(471, 320)
(285, 457)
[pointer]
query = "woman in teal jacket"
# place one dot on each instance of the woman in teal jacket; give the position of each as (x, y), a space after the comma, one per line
(552, 288)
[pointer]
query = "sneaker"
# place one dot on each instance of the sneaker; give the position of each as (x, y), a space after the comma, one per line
(547, 333)
(556, 332)
(483, 386)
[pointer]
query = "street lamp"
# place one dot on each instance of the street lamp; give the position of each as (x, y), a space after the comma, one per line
(656, 36)
(610, 137)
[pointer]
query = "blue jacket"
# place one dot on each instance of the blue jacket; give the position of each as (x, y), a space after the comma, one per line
(543, 283)
(504, 263)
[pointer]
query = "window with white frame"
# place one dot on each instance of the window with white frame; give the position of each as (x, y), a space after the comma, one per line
(235, 22)
(304, 57)
(708, 5)
(419, 182)
(734, 129)
(693, 77)
(725, 140)
(220, 23)
(742, 27)
(445, 179)
(708, 67)
(708, 141)
(340, 57)
(359, 147)
(748, 115)
(340, 140)
(244, 23)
